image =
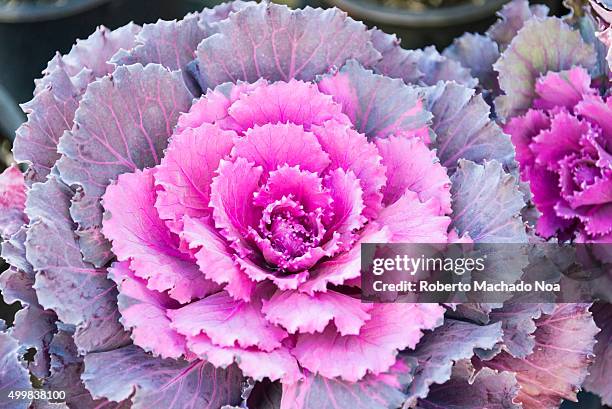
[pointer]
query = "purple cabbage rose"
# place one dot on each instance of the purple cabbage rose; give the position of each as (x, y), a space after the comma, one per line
(564, 147)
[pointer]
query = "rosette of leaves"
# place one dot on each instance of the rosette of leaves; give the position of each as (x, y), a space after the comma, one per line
(187, 233)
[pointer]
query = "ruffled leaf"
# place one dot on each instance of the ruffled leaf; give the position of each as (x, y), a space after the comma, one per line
(186, 172)
(129, 373)
(231, 199)
(378, 106)
(13, 375)
(464, 129)
(77, 292)
(347, 206)
(441, 348)
(274, 145)
(65, 375)
(141, 237)
(214, 257)
(512, 17)
(411, 221)
(477, 53)
(16, 286)
(346, 266)
(14, 252)
(539, 47)
(118, 128)
(173, 43)
(600, 371)
(143, 312)
(123, 124)
(89, 59)
(277, 364)
(33, 327)
(411, 165)
(57, 96)
(392, 327)
(518, 323)
(466, 390)
(12, 201)
(301, 313)
(351, 151)
(487, 204)
(227, 322)
(273, 42)
(422, 67)
(563, 89)
(558, 366)
(373, 392)
(294, 102)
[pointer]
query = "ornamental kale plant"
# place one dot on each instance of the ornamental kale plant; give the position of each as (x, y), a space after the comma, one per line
(563, 147)
(188, 231)
(550, 80)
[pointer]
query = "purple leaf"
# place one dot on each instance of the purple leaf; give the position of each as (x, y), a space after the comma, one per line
(94, 246)
(77, 292)
(518, 324)
(13, 251)
(466, 390)
(57, 95)
(558, 366)
(173, 43)
(33, 328)
(424, 67)
(130, 373)
(89, 59)
(477, 53)
(441, 348)
(16, 286)
(600, 372)
(474, 312)
(66, 369)
(518, 317)
(123, 124)
(396, 61)
(273, 42)
(539, 47)
(487, 204)
(377, 106)
(464, 129)
(373, 392)
(86, 212)
(512, 17)
(13, 376)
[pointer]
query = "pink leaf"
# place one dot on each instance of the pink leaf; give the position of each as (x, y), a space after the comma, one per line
(392, 327)
(141, 237)
(302, 313)
(144, 312)
(228, 322)
(187, 170)
(12, 201)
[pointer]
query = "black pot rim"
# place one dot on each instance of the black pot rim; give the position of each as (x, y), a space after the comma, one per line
(378, 13)
(34, 12)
